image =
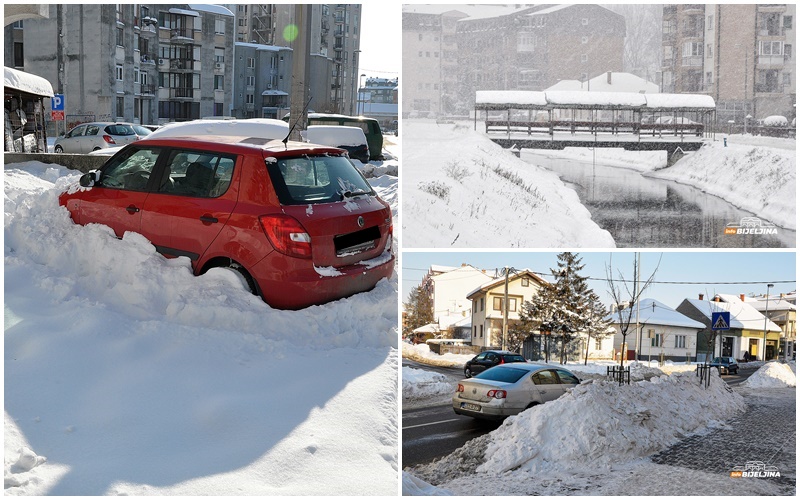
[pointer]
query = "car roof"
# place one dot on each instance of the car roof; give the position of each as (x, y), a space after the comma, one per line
(532, 367)
(503, 352)
(241, 144)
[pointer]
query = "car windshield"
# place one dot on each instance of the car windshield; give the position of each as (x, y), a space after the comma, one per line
(118, 129)
(502, 374)
(316, 179)
(141, 130)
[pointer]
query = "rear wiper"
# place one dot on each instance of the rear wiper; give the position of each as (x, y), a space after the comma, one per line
(350, 194)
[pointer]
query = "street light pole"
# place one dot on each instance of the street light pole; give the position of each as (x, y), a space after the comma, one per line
(766, 318)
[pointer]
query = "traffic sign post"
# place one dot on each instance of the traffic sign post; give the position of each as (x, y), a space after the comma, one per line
(57, 103)
(721, 320)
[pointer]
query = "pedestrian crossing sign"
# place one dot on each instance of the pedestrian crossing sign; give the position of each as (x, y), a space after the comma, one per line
(721, 320)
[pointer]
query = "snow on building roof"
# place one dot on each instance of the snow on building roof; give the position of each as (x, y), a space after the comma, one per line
(26, 82)
(743, 315)
(567, 85)
(653, 312)
(525, 99)
(454, 320)
(184, 12)
(429, 328)
(552, 9)
(274, 92)
(497, 281)
(435, 268)
(212, 9)
(595, 99)
(266, 48)
(477, 12)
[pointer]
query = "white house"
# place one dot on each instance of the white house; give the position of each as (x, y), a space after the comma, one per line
(448, 287)
(487, 305)
(663, 331)
(609, 81)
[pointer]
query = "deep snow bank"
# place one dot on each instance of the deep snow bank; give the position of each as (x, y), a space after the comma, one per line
(422, 383)
(755, 176)
(772, 375)
(423, 353)
(462, 190)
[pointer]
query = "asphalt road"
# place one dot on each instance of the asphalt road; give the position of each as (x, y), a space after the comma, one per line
(433, 432)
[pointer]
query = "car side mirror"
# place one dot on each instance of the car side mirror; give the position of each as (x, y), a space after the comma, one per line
(88, 180)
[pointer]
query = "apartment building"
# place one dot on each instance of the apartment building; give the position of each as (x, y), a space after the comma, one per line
(451, 51)
(742, 55)
(448, 288)
(143, 63)
(262, 86)
(335, 46)
(378, 99)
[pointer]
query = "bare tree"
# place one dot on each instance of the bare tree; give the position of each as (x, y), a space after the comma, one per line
(626, 297)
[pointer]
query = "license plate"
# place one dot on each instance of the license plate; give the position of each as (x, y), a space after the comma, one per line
(470, 406)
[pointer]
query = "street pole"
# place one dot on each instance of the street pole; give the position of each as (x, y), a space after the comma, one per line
(637, 270)
(766, 318)
(505, 311)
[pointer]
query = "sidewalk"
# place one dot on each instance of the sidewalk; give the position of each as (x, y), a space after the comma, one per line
(765, 432)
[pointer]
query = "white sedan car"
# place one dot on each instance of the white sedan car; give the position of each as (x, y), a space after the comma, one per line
(510, 389)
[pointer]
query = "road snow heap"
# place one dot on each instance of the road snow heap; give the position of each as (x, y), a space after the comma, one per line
(772, 375)
(601, 423)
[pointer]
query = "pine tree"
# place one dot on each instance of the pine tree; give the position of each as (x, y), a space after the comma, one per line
(419, 309)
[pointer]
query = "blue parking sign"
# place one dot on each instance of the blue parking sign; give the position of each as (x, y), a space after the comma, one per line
(57, 102)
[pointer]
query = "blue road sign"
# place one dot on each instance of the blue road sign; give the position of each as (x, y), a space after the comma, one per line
(721, 320)
(57, 102)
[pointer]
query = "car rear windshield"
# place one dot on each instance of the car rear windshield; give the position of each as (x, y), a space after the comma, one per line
(119, 130)
(502, 374)
(513, 358)
(316, 179)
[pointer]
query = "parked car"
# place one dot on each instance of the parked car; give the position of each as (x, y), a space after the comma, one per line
(142, 131)
(88, 137)
(726, 365)
(297, 222)
(370, 127)
(488, 359)
(510, 389)
(351, 139)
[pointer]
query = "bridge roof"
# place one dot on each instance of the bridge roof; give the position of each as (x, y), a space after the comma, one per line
(578, 99)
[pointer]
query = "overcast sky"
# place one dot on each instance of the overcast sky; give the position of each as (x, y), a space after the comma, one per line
(707, 269)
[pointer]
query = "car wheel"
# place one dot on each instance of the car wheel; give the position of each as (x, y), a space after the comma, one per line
(247, 280)
(467, 373)
(58, 149)
(531, 405)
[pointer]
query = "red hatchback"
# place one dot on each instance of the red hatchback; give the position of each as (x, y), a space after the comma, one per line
(298, 222)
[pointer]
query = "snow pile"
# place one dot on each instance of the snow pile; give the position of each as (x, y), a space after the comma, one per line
(757, 178)
(776, 121)
(423, 353)
(633, 420)
(135, 377)
(413, 486)
(421, 384)
(772, 375)
(462, 190)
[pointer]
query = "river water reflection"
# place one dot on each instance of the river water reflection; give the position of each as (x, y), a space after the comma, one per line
(645, 212)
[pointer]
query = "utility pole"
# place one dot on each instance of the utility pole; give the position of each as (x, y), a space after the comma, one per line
(766, 318)
(637, 269)
(505, 311)
(298, 112)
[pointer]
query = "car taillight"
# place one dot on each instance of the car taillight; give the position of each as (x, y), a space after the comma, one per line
(389, 236)
(109, 139)
(287, 235)
(497, 394)
(502, 361)
(460, 388)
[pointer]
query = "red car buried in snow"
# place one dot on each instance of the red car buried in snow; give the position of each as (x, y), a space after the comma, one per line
(297, 221)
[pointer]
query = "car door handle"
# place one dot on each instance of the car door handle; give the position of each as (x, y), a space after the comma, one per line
(132, 209)
(208, 219)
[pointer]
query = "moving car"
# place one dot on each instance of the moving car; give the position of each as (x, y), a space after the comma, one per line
(510, 389)
(726, 365)
(297, 222)
(488, 359)
(88, 137)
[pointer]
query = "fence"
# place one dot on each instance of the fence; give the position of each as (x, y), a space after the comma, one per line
(704, 372)
(619, 374)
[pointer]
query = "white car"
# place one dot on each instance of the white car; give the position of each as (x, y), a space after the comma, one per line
(352, 139)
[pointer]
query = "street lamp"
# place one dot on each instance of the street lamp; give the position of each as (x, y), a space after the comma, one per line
(766, 315)
(359, 106)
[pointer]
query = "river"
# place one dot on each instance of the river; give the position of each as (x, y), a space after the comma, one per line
(646, 212)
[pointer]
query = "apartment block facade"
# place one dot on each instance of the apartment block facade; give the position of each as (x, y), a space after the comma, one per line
(452, 51)
(142, 63)
(742, 55)
(335, 46)
(262, 86)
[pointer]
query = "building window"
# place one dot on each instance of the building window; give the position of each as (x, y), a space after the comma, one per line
(219, 26)
(251, 62)
(219, 82)
(19, 59)
(787, 78)
(119, 72)
(420, 37)
(787, 51)
(709, 51)
(136, 105)
(120, 107)
(598, 344)
(584, 22)
(497, 304)
(655, 338)
(584, 58)
(135, 75)
(525, 281)
(475, 306)
(787, 22)
(669, 26)
(710, 23)
(709, 77)
(481, 303)
(680, 341)
(766, 48)
(119, 37)
(251, 81)
(480, 329)
(219, 55)
(474, 331)
(249, 99)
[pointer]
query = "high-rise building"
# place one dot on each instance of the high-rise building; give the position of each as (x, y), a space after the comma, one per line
(451, 51)
(335, 46)
(742, 55)
(142, 63)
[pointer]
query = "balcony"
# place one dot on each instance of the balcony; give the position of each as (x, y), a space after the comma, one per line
(769, 88)
(148, 89)
(692, 61)
(181, 35)
(181, 93)
(771, 60)
(148, 58)
(184, 64)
